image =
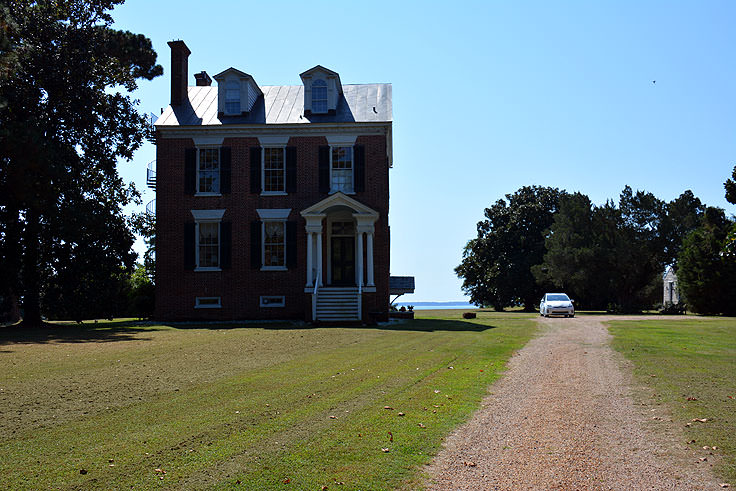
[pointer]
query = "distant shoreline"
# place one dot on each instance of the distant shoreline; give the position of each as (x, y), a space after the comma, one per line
(436, 305)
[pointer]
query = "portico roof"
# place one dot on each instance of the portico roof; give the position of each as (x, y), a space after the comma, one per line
(339, 199)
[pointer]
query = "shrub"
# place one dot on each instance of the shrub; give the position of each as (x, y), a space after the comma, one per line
(468, 315)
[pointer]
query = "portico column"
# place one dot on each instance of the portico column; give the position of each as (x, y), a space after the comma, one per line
(310, 279)
(360, 258)
(319, 258)
(369, 252)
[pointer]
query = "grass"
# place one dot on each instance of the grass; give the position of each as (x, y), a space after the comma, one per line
(690, 365)
(255, 406)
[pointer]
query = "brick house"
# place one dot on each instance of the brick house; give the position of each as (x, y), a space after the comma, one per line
(272, 201)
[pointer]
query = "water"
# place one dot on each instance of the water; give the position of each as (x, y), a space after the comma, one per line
(436, 305)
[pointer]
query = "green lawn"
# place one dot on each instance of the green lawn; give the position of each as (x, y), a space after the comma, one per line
(690, 364)
(257, 406)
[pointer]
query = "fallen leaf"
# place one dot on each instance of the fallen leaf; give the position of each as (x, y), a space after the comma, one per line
(435, 405)
(287, 480)
(692, 398)
(714, 448)
(388, 407)
(706, 448)
(323, 488)
(481, 370)
(652, 375)
(421, 425)
(333, 417)
(390, 436)
(111, 460)
(725, 485)
(704, 459)
(450, 368)
(470, 464)
(111, 465)
(436, 391)
(700, 420)
(385, 450)
(401, 414)
(83, 471)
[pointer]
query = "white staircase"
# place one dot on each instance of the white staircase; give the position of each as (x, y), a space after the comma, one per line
(336, 304)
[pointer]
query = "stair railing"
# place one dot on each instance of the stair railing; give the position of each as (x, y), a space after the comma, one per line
(360, 301)
(314, 297)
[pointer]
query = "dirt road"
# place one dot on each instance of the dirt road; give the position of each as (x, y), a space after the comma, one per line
(563, 417)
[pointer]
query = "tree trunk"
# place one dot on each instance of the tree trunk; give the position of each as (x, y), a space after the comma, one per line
(31, 279)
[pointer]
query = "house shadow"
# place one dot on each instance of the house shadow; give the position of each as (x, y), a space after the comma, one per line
(433, 325)
(63, 332)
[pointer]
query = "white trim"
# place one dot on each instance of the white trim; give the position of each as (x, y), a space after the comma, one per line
(208, 141)
(341, 140)
(207, 194)
(273, 140)
(273, 213)
(282, 192)
(209, 268)
(207, 215)
(320, 208)
(272, 304)
(295, 129)
(197, 304)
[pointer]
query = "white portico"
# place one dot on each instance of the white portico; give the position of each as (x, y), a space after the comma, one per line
(343, 229)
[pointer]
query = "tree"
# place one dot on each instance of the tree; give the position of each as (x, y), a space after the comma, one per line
(63, 126)
(729, 247)
(706, 276)
(497, 264)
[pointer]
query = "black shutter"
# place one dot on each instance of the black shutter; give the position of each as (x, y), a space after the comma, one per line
(359, 154)
(225, 169)
(291, 169)
(324, 169)
(190, 170)
(291, 245)
(255, 244)
(255, 170)
(189, 260)
(226, 234)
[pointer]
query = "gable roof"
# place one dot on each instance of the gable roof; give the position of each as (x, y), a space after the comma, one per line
(283, 104)
(221, 76)
(339, 199)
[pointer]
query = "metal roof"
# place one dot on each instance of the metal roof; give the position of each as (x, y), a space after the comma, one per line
(399, 285)
(284, 104)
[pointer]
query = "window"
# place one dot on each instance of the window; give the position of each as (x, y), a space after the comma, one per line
(208, 180)
(208, 245)
(232, 97)
(273, 170)
(272, 301)
(274, 245)
(319, 96)
(341, 172)
(207, 303)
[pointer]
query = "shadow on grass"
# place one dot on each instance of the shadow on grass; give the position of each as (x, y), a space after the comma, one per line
(63, 332)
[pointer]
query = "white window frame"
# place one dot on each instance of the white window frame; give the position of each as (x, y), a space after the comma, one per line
(282, 192)
(352, 169)
(207, 216)
(238, 83)
(322, 83)
(219, 171)
(199, 305)
(264, 267)
(269, 305)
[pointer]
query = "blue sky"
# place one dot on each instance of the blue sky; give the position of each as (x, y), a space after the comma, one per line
(488, 97)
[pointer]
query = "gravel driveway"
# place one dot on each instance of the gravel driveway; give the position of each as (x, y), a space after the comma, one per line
(563, 417)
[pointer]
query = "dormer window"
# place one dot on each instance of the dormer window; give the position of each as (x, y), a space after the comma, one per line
(237, 92)
(232, 97)
(319, 96)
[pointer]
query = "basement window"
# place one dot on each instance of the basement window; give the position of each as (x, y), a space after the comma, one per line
(273, 301)
(207, 303)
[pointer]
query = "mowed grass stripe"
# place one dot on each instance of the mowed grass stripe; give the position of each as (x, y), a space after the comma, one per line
(689, 358)
(265, 424)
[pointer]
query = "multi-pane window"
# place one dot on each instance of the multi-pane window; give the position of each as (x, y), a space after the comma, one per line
(273, 170)
(208, 245)
(232, 97)
(319, 96)
(342, 169)
(274, 244)
(209, 170)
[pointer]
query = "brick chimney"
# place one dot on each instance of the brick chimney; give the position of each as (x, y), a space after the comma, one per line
(179, 71)
(203, 80)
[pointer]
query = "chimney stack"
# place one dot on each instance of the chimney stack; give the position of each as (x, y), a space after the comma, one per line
(203, 80)
(179, 72)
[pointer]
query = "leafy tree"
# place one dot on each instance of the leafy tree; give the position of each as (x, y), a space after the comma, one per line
(706, 276)
(730, 245)
(144, 224)
(571, 262)
(497, 264)
(64, 123)
(684, 214)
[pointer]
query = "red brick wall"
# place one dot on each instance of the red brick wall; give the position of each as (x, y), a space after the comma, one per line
(240, 286)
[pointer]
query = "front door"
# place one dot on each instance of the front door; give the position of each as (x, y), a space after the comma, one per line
(343, 254)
